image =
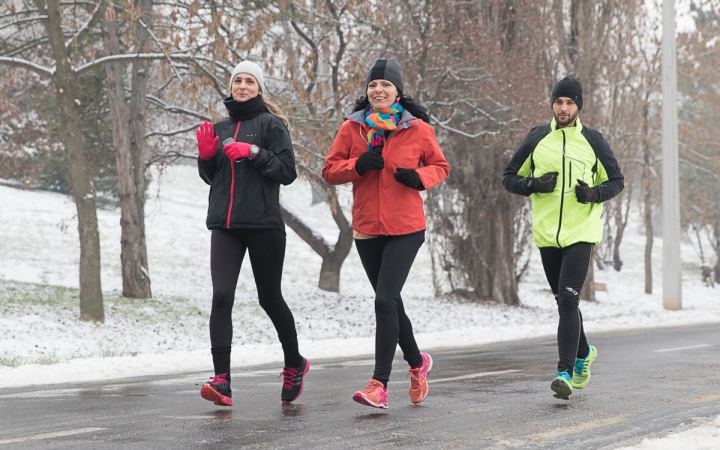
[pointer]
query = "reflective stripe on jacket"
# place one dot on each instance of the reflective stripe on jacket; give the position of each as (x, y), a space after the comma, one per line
(382, 205)
(576, 153)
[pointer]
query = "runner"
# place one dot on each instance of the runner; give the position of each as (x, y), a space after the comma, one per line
(244, 158)
(568, 170)
(389, 152)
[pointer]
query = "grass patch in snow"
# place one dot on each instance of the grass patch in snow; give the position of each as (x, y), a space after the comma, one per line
(15, 295)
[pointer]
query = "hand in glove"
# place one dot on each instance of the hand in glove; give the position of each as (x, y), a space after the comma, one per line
(237, 150)
(206, 140)
(586, 194)
(545, 183)
(410, 178)
(369, 161)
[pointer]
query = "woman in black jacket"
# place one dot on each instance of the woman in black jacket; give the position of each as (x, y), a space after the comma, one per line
(244, 158)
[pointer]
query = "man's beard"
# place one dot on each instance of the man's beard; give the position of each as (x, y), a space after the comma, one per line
(570, 120)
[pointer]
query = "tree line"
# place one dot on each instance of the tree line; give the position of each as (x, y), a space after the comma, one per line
(101, 90)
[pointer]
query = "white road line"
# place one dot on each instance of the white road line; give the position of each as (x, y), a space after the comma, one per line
(472, 375)
(57, 434)
(681, 348)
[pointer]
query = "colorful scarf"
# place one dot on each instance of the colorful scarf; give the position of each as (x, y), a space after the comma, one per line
(380, 120)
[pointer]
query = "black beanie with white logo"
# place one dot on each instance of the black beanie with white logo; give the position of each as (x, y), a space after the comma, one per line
(568, 87)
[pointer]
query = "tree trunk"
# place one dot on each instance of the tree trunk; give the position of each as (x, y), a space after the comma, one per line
(647, 198)
(91, 299)
(588, 289)
(333, 256)
(647, 219)
(496, 271)
(717, 245)
(133, 255)
(139, 285)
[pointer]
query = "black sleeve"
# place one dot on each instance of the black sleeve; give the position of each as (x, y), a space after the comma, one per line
(276, 159)
(207, 169)
(616, 180)
(511, 180)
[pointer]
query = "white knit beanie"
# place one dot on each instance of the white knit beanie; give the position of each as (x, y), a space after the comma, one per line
(251, 68)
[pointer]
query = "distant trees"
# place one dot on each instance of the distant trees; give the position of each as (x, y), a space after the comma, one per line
(146, 73)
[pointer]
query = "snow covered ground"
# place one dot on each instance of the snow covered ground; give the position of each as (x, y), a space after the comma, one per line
(43, 341)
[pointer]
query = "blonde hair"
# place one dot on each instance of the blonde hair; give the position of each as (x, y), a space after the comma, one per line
(275, 110)
(272, 107)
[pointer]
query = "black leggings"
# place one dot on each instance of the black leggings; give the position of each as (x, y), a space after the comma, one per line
(267, 253)
(387, 261)
(566, 270)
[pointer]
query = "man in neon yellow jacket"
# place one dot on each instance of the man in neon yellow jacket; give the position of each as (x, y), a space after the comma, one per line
(568, 170)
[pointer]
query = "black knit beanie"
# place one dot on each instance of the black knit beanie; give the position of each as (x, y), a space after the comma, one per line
(568, 87)
(385, 69)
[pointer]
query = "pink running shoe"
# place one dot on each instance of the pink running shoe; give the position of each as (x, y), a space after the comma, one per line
(418, 379)
(217, 390)
(294, 381)
(374, 394)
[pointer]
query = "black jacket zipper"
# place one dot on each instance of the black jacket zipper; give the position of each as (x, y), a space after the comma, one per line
(562, 192)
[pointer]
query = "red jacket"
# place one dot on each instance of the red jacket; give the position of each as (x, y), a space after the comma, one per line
(382, 205)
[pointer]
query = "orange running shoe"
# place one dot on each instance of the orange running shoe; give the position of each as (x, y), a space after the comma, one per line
(374, 394)
(418, 379)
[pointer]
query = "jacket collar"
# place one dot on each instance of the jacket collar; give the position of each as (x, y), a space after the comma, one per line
(406, 119)
(576, 129)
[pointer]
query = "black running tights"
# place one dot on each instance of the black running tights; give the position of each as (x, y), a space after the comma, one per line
(566, 270)
(266, 249)
(387, 261)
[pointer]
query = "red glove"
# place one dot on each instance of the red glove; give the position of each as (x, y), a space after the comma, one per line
(237, 150)
(207, 141)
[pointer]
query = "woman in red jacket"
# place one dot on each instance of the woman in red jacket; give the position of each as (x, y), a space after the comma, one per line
(389, 152)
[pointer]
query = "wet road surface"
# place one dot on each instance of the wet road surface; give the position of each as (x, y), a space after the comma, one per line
(645, 383)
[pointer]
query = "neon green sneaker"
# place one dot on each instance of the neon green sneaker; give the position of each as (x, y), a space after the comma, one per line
(561, 386)
(581, 372)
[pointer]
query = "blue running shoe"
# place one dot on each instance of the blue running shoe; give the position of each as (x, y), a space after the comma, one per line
(561, 386)
(581, 372)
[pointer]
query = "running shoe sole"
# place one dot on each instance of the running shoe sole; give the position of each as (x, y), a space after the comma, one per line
(358, 397)
(208, 393)
(302, 383)
(428, 385)
(561, 388)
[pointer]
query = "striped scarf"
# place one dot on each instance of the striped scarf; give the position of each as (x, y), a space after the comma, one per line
(380, 120)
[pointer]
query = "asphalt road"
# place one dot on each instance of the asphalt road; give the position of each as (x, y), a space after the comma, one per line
(645, 383)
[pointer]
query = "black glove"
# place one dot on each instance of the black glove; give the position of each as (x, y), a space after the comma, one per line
(369, 161)
(544, 184)
(410, 178)
(586, 194)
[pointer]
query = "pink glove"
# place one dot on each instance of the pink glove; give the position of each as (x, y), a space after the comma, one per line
(237, 150)
(207, 141)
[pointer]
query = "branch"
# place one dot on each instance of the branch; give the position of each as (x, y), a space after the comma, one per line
(29, 19)
(120, 58)
(172, 133)
(307, 234)
(460, 132)
(152, 35)
(175, 109)
(25, 64)
(94, 17)
(699, 168)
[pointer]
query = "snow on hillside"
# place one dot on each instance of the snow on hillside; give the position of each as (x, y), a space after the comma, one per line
(40, 333)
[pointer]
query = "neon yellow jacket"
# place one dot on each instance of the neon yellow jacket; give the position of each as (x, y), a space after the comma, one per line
(576, 153)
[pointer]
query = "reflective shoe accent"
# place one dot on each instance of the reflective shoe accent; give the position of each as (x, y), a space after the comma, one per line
(561, 386)
(581, 371)
(374, 394)
(418, 379)
(217, 390)
(293, 381)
